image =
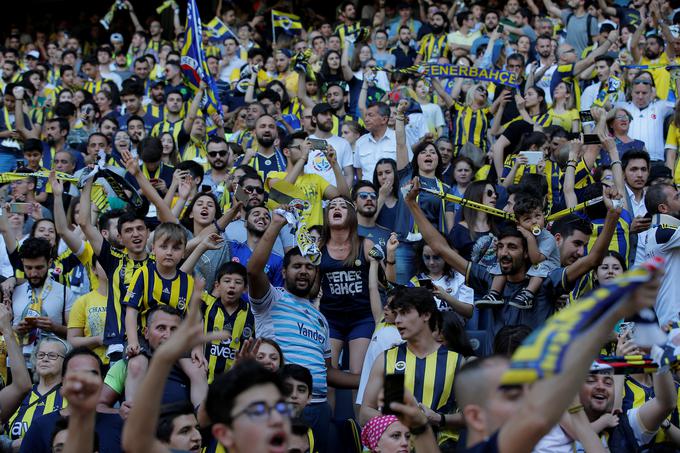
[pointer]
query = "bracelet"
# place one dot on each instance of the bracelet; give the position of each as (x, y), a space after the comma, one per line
(442, 420)
(390, 263)
(575, 409)
(217, 227)
(399, 117)
(572, 161)
(418, 430)
(615, 162)
(572, 166)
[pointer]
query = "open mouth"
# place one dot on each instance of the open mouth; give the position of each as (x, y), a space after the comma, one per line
(137, 242)
(337, 215)
(278, 442)
(195, 447)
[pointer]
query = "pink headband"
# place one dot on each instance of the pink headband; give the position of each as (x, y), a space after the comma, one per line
(374, 429)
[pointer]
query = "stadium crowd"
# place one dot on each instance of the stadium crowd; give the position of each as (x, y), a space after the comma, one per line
(279, 231)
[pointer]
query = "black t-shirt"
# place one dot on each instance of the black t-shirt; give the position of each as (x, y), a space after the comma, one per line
(490, 445)
(109, 428)
(514, 134)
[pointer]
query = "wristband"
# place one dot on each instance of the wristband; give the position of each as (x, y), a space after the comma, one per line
(442, 420)
(217, 227)
(575, 409)
(572, 166)
(418, 430)
(391, 263)
(615, 162)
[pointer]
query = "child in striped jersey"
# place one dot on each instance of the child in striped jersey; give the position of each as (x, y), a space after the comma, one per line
(161, 282)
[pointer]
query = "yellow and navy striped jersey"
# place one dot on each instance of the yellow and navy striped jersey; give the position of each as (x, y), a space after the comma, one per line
(265, 164)
(469, 126)
(433, 47)
(33, 406)
(221, 354)
(196, 150)
(148, 290)
(542, 119)
(166, 126)
(338, 122)
(635, 394)
(294, 108)
(620, 242)
(94, 86)
(510, 162)
(344, 30)
(156, 45)
(119, 269)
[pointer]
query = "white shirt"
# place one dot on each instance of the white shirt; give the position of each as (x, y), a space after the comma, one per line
(456, 287)
(6, 269)
(234, 63)
(663, 239)
(647, 125)
(382, 340)
(544, 82)
(434, 117)
(368, 151)
(639, 210)
(318, 164)
(589, 95)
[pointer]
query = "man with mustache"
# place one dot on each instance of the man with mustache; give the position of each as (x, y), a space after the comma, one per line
(265, 157)
(512, 255)
(287, 316)
(365, 198)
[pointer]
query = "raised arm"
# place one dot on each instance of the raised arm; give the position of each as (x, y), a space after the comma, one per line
(543, 406)
(635, 40)
(211, 242)
(400, 132)
(303, 97)
(133, 16)
(258, 282)
(443, 95)
(374, 290)
(91, 232)
(164, 212)
(568, 188)
(73, 240)
(12, 395)
(602, 49)
(347, 73)
(430, 234)
(193, 108)
(606, 9)
(552, 9)
(656, 410)
(19, 123)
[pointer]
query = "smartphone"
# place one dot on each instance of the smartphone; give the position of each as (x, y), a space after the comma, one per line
(30, 319)
(393, 391)
(591, 139)
(501, 28)
(533, 157)
(426, 283)
(153, 180)
(20, 163)
(241, 195)
(627, 328)
(587, 121)
(20, 208)
(321, 145)
(205, 188)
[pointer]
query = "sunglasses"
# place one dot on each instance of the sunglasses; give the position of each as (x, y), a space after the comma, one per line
(367, 195)
(250, 189)
(642, 82)
(490, 193)
(482, 90)
(217, 153)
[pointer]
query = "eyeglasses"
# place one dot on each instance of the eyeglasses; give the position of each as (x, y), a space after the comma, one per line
(50, 356)
(217, 153)
(250, 189)
(642, 82)
(621, 117)
(367, 195)
(261, 411)
(490, 193)
(569, 51)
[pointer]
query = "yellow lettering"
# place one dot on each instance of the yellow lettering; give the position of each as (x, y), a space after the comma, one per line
(463, 71)
(472, 72)
(512, 79)
(503, 77)
(434, 70)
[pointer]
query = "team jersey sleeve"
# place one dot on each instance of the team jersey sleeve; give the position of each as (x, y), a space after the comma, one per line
(135, 295)
(667, 238)
(77, 317)
(673, 137)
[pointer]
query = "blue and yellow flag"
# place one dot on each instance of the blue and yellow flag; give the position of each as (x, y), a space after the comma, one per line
(217, 30)
(194, 66)
(286, 23)
(542, 354)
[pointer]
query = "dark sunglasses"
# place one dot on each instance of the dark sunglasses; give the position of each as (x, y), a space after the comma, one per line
(217, 153)
(367, 195)
(250, 189)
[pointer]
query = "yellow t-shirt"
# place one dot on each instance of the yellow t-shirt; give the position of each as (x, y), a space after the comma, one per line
(313, 186)
(89, 313)
(662, 78)
(564, 120)
(673, 142)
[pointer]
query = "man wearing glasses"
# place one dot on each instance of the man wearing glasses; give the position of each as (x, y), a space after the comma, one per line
(220, 158)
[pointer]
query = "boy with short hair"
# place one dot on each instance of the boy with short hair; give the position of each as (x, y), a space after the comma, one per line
(297, 382)
(161, 282)
(225, 309)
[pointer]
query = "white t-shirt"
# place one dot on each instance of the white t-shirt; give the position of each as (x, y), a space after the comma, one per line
(647, 125)
(434, 117)
(664, 240)
(318, 164)
(382, 340)
(455, 286)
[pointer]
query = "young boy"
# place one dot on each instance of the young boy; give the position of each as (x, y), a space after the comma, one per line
(543, 254)
(225, 309)
(297, 382)
(156, 283)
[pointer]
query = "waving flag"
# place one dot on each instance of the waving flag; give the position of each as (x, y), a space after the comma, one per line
(542, 354)
(194, 66)
(217, 30)
(286, 23)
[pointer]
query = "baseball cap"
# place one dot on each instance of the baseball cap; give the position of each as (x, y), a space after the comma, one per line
(116, 37)
(33, 54)
(322, 107)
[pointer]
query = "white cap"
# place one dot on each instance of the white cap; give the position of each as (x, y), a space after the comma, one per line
(33, 54)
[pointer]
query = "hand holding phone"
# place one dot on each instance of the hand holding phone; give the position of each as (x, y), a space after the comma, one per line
(393, 392)
(20, 208)
(426, 283)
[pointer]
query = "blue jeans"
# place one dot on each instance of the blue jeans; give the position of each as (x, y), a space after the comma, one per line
(406, 262)
(318, 417)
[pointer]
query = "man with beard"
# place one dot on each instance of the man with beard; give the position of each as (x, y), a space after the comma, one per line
(265, 158)
(119, 264)
(174, 81)
(656, 57)
(56, 131)
(141, 70)
(607, 89)
(10, 74)
(172, 122)
(348, 26)
(287, 316)
(512, 254)
(9, 129)
(40, 304)
(257, 220)
(545, 66)
(663, 239)
(403, 53)
(365, 198)
(219, 156)
(136, 130)
(317, 163)
(433, 45)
